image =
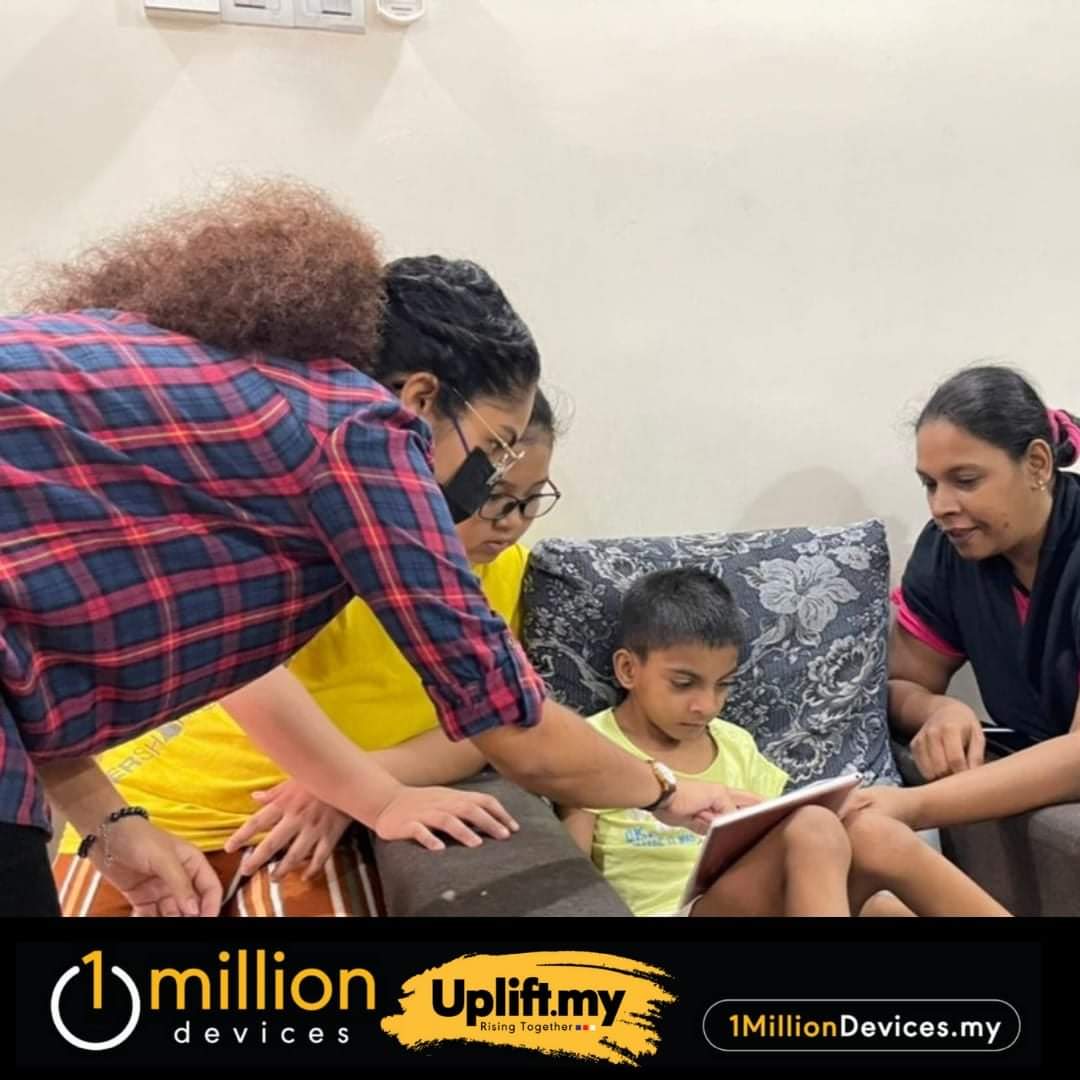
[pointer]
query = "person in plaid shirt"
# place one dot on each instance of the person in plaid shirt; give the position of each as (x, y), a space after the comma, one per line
(199, 469)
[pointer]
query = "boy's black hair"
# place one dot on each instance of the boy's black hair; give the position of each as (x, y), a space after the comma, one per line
(681, 606)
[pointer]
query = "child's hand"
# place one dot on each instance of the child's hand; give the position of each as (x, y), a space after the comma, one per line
(297, 823)
(415, 811)
(696, 804)
(902, 804)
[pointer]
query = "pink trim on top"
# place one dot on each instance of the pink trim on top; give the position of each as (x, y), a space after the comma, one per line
(1023, 604)
(919, 630)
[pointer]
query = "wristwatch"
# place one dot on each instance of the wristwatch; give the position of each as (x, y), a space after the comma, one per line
(668, 786)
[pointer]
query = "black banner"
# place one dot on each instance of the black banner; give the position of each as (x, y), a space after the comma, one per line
(651, 993)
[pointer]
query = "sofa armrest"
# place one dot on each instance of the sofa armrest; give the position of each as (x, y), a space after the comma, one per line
(538, 871)
(1030, 862)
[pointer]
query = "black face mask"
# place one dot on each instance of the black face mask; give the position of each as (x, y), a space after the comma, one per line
(469, 487)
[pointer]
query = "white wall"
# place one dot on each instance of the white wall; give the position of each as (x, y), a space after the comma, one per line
(748, 235)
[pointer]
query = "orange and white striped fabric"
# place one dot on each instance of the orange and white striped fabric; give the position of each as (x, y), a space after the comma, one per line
(347, 887)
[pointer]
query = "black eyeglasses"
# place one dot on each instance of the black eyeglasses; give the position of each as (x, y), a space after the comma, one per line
(498, 507)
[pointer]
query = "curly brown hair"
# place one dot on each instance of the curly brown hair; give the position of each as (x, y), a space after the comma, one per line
(272, 265)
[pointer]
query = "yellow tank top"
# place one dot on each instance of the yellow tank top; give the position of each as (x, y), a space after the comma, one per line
(195, 775)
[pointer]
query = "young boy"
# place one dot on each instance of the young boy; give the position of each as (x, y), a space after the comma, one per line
(679, 641)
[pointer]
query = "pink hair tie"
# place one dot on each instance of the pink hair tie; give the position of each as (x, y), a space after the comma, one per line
(1063, 427)
(1055, 426)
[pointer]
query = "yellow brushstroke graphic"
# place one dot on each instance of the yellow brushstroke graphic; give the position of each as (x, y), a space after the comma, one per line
(591, 1005)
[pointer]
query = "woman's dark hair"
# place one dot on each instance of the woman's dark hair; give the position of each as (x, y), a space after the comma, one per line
(678, 606)
(450, 318)
(998, 405)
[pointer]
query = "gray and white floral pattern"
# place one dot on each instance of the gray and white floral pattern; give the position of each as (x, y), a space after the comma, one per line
(812, 685)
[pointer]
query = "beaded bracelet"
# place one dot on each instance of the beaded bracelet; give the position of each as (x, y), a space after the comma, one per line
(90, 839)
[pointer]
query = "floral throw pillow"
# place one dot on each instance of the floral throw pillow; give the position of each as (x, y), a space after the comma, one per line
(811, 688)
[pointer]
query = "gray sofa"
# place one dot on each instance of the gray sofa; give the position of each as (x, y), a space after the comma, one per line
(1030, 862)
(812, 692)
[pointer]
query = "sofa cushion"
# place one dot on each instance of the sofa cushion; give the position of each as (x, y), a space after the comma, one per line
(812, 685)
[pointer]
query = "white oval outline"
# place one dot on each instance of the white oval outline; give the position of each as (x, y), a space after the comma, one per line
(860, 1050)
(71, 1037)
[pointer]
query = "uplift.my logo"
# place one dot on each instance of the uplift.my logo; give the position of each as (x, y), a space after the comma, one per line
(592, 1005)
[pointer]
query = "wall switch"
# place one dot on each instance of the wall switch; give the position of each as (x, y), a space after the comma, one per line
(347, 15)
(258, 12)
(401, 12)
(183, 7)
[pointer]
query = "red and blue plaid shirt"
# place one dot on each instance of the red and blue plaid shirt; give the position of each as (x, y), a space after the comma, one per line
(175, 520)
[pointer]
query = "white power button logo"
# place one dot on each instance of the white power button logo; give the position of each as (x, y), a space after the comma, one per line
(54, 1004)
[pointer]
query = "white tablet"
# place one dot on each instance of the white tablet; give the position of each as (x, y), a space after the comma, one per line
(733, 835)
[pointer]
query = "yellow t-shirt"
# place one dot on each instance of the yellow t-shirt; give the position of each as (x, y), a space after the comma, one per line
(195, 775)
(648, 862)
